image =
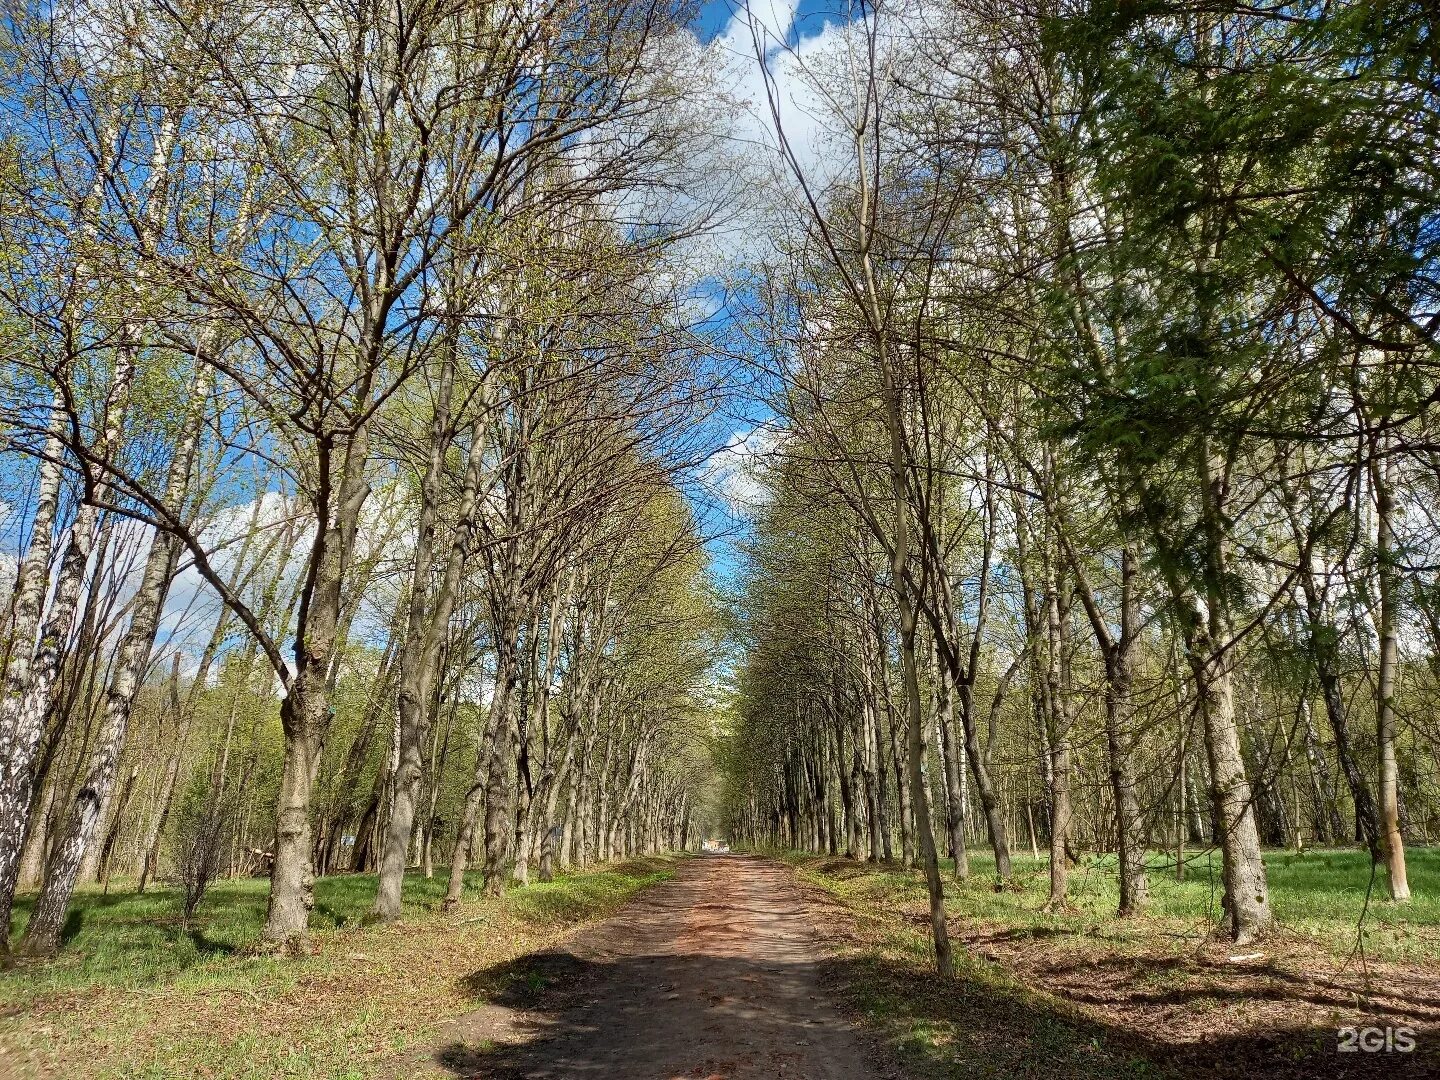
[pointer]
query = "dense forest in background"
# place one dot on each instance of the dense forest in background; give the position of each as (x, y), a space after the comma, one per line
(364, 365)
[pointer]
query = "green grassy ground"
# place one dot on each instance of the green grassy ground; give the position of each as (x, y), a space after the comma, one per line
(1145, 985)
(133, 993)
(122, 939)
(1321, 894)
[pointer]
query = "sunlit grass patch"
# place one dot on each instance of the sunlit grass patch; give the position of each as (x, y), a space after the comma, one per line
(570, 897)
(1319, 894)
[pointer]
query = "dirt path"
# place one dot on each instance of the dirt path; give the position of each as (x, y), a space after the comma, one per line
(711, 976)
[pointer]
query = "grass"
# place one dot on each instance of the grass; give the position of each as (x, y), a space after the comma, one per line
(133, 993)
(1083, 993)
(1320, 895)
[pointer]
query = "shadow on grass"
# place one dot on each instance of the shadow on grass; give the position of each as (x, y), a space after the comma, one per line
(130, 939)
(984, 1025)
(126, 938)
(205, 946)
(74, 922)
(844, 868)
(1085, 980)
(340, 919)
(526, 981)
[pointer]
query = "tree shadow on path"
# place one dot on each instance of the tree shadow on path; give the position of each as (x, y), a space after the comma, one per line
(655, 1016)
(667, 1017)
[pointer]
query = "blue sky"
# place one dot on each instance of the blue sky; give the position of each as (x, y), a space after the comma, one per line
(714, 14)
(744, 413)
(810, 14)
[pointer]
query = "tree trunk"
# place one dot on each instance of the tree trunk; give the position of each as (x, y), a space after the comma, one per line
(552, 784)
(1392, 843)
(292, 877)
(1060, 715)
(19, 742)
(1247, 895)
(984, 787)
(954, 788)
(476, 799)
(1120, 741)
(305, 713)
(426, 628)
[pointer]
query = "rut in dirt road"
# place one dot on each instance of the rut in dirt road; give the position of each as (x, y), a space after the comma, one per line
(712, 975)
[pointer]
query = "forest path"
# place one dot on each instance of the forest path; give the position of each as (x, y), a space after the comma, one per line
(713, 975)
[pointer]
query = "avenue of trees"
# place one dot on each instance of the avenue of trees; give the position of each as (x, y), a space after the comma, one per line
(348, 397)
(1100, 481)
(361, 363)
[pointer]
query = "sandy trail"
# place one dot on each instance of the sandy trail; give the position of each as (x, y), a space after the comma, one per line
(711, 976)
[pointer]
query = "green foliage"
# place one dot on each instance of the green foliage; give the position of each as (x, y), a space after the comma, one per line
(199, 838)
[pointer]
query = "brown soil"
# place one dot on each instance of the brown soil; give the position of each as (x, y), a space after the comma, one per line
(712, 976)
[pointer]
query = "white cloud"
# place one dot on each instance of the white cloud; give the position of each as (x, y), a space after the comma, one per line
(736, 472)
(729, 83)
